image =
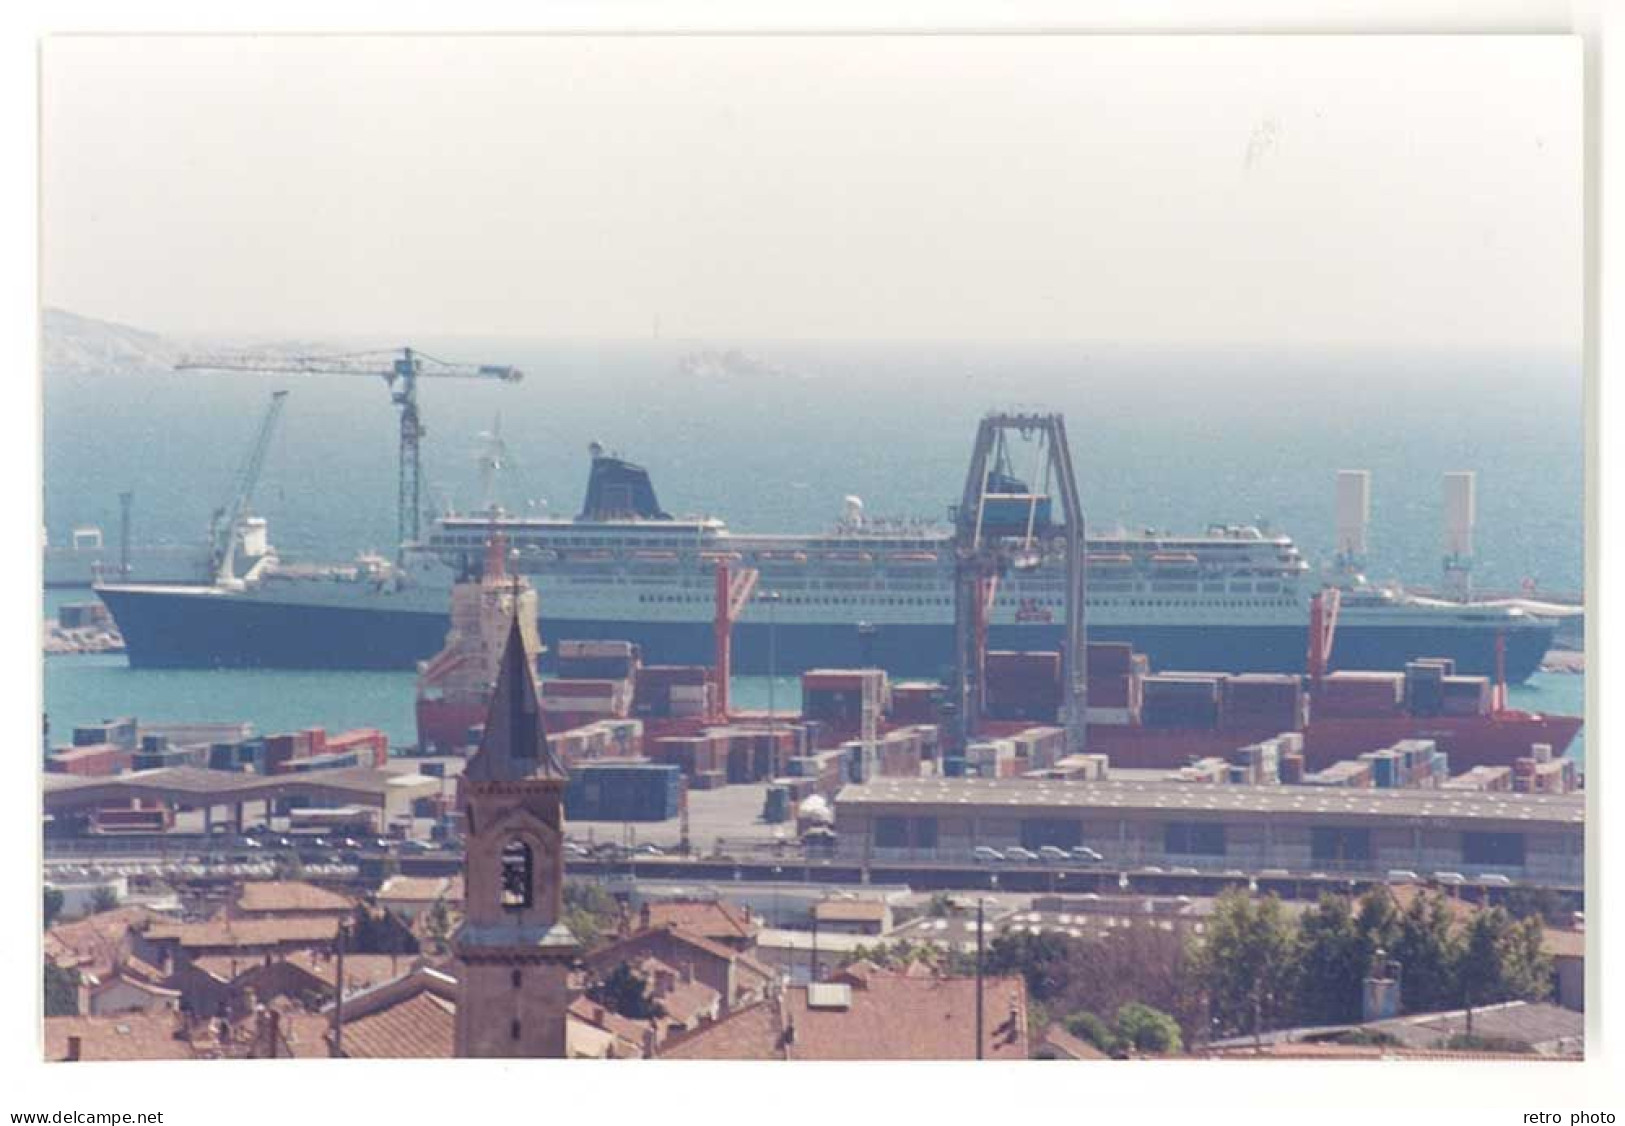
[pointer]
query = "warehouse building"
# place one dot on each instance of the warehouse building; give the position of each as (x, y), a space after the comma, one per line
(1539, 838)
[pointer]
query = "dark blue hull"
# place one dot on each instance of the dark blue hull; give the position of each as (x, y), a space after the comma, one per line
(164, 629)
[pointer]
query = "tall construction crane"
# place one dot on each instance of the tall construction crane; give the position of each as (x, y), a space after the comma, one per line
(1003, 524)
(401, 373)
(227, 521)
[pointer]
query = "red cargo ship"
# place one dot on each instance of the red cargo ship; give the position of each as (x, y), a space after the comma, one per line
(1164, 721)
(454, 686)
(1496, 739)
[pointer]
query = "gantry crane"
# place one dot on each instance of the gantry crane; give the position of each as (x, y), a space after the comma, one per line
(733, 594)
(1323, 608)
(226, 523)
(1003, 524)
(401, 372)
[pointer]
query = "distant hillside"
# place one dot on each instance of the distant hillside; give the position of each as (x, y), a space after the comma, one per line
(85, 345)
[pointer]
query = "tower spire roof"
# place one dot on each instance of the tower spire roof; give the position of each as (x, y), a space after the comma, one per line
(514, 746)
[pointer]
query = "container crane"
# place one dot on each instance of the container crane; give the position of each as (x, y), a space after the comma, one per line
(1323, 608)
(226, 524)
(401, 373)
(733, 594)
(1001, 525)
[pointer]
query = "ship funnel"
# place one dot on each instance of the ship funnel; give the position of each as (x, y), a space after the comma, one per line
(1353, 517)
(1460, 512)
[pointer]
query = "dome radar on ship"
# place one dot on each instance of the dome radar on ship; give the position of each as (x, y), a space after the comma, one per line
(852, 510)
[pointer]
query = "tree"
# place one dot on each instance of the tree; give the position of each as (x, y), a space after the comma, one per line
(1044, 960)
(1428, 951)
(374, 930)
(53, 905)
(627, 992)
(437, 927)
(1523, 901)
(102, 899)
(61, 990)
(940, 906)
(1147, 1029)
(589, 911)
(1333, 954)
(1088, 1026)
(1502, 960)
(1526, 968)
(1247, 965)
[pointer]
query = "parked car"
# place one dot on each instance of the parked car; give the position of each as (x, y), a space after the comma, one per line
(416, 846)
(982, 854)
(649, 848)
(573, 849)
(1020, 855)
(1452, 878)
(1086, 854)
(1495, 878)
(1052, 853)
(1403, 876)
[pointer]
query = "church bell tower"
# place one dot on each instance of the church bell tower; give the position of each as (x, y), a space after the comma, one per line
(513, 950)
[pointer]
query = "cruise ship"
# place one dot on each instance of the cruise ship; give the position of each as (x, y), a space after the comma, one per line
(865, 593)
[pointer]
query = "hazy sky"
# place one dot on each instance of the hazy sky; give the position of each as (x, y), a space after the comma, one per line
(1420, 192)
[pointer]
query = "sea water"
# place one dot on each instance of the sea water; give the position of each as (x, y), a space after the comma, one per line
(1172, 439)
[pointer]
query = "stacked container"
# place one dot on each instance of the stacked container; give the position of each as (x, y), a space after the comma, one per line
(1350, 774)
(1424, 686)
(371, 744)
(835, 696)
(1023, 685)
(1114, 684)
(1259, 763)
(597, 660)
(623, 791)
(1038, 748)
(666, 690)
(1359, 695)
(1466, 695)
(915, 701)
(597, 698)
(1207, 771)
(1497, 779)
(1181, 700)
(1080, 768)
(993, 758)
(98, 760)
(1292, 768)
(1255, 701)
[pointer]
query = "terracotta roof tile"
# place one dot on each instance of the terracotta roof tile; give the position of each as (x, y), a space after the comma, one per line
(132, 1036)
(421, 1027)
(1563, 943)
(246, 932)
(709, 918)
(96, 942)
(1070, 1046)
(751, 1033)
(274, 896)
(893, 1018)
(414, 889)
(850, 911)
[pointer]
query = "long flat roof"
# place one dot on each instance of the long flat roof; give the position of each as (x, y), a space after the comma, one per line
(198, 783)
(949, 795)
